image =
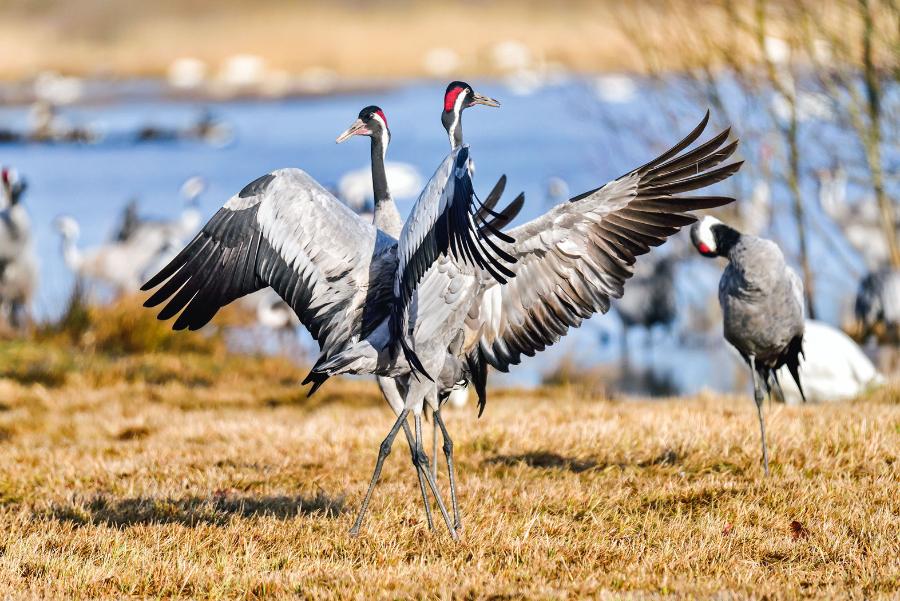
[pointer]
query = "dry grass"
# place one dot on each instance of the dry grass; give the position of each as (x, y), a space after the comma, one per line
(234, 486)
(358, 39)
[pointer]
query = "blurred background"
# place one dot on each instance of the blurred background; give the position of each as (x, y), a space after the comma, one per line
(132, 122)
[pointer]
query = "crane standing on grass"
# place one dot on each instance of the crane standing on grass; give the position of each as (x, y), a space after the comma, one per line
(762, 306)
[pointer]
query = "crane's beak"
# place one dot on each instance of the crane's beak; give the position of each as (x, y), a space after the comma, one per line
(482, 99)
(357, 129)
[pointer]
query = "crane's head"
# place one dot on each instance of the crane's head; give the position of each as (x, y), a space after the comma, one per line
(370, 122)
(67, 227)
(13, 184)
(458, 97)
(712, 238)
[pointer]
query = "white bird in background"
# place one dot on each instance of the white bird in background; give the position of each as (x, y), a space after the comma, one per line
(832, 368)
(355, 187)
(18, 264)
(118, 265)
(272, 313)
(556, 190)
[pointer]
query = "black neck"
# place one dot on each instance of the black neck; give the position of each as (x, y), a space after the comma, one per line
(453, 125)
(726, 238)
(379, 177)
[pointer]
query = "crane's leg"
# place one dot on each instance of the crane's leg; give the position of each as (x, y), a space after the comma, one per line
(432, 401)
(758, 397)
(434, 445)
(448, 453)
(390, 388)
(383, 451)
(423, 459)
(415, 460)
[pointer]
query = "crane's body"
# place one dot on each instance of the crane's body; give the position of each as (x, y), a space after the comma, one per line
(762, 306)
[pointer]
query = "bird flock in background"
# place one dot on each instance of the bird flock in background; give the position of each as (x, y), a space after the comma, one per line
(429, 304)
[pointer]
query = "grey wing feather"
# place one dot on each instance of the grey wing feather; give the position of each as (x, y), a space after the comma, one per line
(572, 260)
(287, 232)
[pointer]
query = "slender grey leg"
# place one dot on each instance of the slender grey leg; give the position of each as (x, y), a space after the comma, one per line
(434, 445)
(393, 391)
(758, 398)
(423, 459)
(448, 453)
(383, 451)
(415, 461)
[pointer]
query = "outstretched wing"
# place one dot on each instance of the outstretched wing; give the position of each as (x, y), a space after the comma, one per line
(572, 260)
(285, 231)
(443, 222)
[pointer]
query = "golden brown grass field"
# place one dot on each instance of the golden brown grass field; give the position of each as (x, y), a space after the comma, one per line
(192, 473)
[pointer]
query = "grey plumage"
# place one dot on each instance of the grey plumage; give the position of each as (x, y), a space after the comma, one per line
(340, 290)
(576, 257)
(342, 276)
(762, 305)
(372, 123)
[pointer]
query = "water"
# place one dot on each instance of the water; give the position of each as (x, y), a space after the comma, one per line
(551, 133)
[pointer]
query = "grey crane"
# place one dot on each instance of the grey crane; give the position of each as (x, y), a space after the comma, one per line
(171, 233)
(18, 264)
(572, 260)
(878, 304)
(762, 306)
(363, 295)
(372, 123)
(650, 298)
(132, 223)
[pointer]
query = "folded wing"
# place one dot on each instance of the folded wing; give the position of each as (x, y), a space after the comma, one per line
(447, 219)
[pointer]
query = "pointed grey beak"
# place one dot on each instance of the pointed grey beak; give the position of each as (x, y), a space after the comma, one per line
(358, 128)
(482, 99)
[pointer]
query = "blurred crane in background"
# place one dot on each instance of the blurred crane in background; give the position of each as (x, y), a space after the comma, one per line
(18, 264)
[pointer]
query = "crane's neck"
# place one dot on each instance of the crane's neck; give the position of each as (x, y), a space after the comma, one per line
(726, 239)
(452, 121)
(71, 254)
(387, 217)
